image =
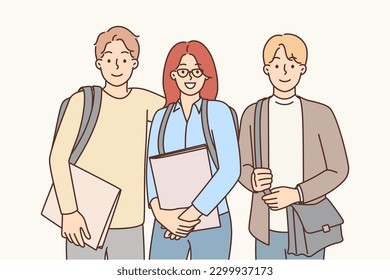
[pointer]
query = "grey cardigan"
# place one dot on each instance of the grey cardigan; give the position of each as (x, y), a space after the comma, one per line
(325, 163)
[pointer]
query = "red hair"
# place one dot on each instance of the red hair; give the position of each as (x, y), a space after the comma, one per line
(206, 63)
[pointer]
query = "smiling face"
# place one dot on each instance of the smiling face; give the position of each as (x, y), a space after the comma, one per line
(189, 76)
(283, 72)
(116, 64)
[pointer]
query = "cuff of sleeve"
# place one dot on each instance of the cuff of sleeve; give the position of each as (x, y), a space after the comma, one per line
(203, 211)
(300, 193)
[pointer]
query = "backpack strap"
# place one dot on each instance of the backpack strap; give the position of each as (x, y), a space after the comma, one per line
(163, 127)
(207, 133)
(235, 121)
(92, 103)
(257, 133)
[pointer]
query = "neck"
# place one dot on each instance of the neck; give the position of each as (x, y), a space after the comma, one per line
(187, 101)
(116, 91)
(284, 94)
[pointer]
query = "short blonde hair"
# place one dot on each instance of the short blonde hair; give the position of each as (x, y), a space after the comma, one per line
(117, 33)
(295, 48)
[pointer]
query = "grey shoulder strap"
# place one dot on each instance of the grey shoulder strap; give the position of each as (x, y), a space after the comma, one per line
(92, 102)
(163, 127)
(235, 121)
(257, 133)
(207, 133)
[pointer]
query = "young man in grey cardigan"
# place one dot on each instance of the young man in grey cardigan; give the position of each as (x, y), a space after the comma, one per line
(301, 149)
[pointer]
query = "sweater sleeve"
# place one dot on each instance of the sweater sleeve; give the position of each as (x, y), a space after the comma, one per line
(225, 139)
(61, 151)
(246, 153)
(335, 156)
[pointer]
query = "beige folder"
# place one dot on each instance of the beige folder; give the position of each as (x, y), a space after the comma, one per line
(180, 176)
(96, 201)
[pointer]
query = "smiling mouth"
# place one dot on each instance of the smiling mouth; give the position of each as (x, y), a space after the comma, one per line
(285, 81)
(190, 85)
(116, 75)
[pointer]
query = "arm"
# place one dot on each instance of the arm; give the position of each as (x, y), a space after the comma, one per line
(73, 222)
(335, 158)
(61, 151)
(168, 218)
(246, 152)
(225, 138)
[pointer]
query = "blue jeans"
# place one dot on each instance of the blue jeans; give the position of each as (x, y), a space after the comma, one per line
(212, 243)
(278, 248)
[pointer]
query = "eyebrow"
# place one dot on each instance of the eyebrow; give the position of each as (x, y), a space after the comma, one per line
(108, 52)
(125, 52)
(182, 64)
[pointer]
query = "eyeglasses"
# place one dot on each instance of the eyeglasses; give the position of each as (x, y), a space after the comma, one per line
(182, 72)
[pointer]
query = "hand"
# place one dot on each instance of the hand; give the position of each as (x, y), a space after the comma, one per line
(74, 227)
(176, 226)
(191, 214)
(281, 197)
(261, 179)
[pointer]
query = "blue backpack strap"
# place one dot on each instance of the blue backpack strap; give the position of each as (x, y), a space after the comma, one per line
(163, 127)
(92, 103)
(257, 145)
(207, 133)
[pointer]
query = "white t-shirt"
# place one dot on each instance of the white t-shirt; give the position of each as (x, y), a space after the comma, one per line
(285, 150)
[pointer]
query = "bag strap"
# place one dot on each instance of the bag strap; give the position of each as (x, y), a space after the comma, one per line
(257, 134)
(207, 133)
(235, 121)
(92, 103)
(163, 127)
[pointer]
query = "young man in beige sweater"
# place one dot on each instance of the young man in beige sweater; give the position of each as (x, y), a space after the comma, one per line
(115, 151)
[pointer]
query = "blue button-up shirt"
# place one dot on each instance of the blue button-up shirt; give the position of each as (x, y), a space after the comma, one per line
(181, 133)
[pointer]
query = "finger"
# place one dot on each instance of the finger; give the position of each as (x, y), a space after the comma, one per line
(262, 171)
(173, 236)
(167, 234)
(177, 237)
(63, 234)
(162, 227)
(69, 237)
(85, 231)
(185, 232)
(188, 224)
(78, 239)
(181, 234)
(263, 182)
(262, 187)
(272, 203)
(270, 196)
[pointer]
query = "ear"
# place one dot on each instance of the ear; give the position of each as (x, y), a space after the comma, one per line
(173, 75)
(98, 64)
(266, 69)
(303, 69)
(135, 63)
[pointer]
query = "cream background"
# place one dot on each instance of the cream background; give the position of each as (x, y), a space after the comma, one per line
(47, 54)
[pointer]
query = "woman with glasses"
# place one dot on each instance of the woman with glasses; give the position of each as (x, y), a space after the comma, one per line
(189, 78)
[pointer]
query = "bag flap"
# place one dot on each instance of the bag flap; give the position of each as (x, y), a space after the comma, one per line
(318, 217)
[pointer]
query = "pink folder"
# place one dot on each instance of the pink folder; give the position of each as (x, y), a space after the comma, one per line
(96, 201)
(180, 176)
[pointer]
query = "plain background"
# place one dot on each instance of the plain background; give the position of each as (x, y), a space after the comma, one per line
(47, 53)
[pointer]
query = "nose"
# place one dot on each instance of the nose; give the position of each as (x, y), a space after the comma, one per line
(116, 63)
(284, 69)
(190, 75)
